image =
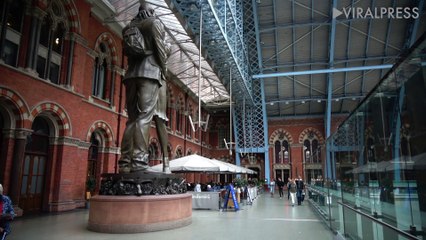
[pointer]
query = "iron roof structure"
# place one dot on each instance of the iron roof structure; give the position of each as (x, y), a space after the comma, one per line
(282, 58)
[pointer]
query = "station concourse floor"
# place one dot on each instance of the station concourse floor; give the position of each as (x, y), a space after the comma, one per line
(266, 219)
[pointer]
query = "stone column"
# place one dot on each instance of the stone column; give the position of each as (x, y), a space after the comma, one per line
(18, 159)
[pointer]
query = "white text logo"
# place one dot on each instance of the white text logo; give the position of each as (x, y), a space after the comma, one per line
(378, 12)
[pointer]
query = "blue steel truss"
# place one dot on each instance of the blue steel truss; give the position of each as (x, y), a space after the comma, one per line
(223, 45)
(229, 44)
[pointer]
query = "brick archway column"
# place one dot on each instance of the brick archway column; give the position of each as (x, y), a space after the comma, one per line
(18, 160)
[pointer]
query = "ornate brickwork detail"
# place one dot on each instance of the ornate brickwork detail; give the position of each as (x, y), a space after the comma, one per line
(311, 133)
(58, 113)
(72, 14)
(110, 43)
(106, 130)
(17, 105)
(280, 134)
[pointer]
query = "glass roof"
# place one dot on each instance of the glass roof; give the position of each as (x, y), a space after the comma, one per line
(184, 59)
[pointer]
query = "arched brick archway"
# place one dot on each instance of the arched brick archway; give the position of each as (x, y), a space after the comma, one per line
(105, 129)
(311, 130)
(17, 105)
(59, 114)
(108, 39)
(280, 133)
(70, 11)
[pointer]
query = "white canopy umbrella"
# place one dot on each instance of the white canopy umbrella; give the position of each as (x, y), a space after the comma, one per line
(232, 168)
(223, 166)
(190, 163)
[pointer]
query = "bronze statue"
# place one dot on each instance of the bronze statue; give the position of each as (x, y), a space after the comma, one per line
(145, 82)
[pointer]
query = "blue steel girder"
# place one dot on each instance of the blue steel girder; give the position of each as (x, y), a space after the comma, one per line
(228, 41)
(251, 122)
(222, 39)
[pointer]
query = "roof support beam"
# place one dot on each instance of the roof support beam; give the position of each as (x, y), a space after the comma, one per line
(332, 35)
(323, 71)
(262, 86)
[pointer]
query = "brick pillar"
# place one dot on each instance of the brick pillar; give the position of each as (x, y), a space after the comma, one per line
(18, 160)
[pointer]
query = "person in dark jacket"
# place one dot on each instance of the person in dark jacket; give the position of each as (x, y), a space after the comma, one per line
(145, 83)
(300, 186)
(280, 184)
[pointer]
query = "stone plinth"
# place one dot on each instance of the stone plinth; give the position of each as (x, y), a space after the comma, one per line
(137, 214)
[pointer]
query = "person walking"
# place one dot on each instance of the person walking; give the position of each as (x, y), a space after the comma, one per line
(288, 188)
(292, 189)
(280, 185)
(7, 214)
(272, 187)
(300, 186)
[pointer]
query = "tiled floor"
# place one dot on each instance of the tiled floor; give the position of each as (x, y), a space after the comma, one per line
(267, 219)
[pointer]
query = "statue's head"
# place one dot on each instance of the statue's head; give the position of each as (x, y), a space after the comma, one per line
(145, 10)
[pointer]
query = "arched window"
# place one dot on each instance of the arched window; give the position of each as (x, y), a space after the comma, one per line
(278, 153)
(282, 149)
(312, 149)
(286, 152)
(307, 151)
(101, 72)
(179, 152)
(51, 41)
(188, 152)
(10, 38)
(179, 116)
(316, 151)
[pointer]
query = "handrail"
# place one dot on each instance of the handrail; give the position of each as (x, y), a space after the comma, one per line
(399, 231)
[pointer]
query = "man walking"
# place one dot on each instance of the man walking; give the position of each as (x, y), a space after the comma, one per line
(280, 185)
(300, 186)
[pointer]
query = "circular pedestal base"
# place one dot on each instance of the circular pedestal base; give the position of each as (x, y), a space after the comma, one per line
(133, 214)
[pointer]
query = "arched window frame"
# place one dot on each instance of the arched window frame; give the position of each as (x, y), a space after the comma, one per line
(10, 43)
(179, 116)
(179, 152)
(102, 72)
(282, 150)
(312, 149)
(51, 43)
